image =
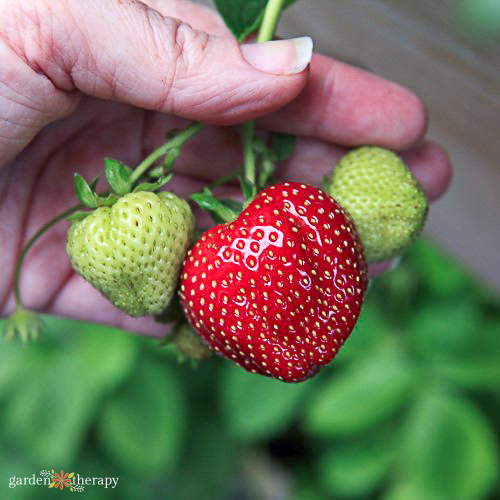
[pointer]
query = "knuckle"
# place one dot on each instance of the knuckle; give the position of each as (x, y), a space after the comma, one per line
(179, 49)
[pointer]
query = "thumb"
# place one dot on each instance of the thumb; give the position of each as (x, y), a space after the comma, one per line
(126, 51)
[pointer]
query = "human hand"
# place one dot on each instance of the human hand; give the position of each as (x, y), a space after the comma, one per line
(81, 81)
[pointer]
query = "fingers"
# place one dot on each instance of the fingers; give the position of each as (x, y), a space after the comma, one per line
(349, 106)
(129, 52)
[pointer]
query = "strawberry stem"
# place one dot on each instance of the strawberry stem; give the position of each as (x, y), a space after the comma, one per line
(31, 242)
(248, 153)
(173, 144)
(266, 32)
(270, 20)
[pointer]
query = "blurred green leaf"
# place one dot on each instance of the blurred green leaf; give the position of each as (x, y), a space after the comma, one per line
(444, 329)
(369, 332)
(105, 355)
(409, 490)
(367, 392)
(210, 457)
(142, 425)
(355, 468)
(479, 367)
(51, 409)
(451, 449)
(437, 271)
(15, 359)
(254, 406)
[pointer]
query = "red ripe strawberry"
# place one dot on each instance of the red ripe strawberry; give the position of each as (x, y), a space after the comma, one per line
(279, 289)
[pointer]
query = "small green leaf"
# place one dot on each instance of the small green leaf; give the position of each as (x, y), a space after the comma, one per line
(84, 192)
(153, 186)
(243, 17)
(371, 390)
(117, 175)
(451, 449)
(219, 210)
(282, 145)
(256, 407)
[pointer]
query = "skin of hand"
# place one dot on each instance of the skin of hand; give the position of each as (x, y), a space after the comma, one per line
(81, 81)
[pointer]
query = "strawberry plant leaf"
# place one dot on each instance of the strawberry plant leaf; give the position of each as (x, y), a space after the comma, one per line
(371, 390)
(142, 425)
(243, 17)
(348, 469)
(117, 175)
(219, 210)
(84, 192)
(282, 145)
(256, 407)
(451, 449)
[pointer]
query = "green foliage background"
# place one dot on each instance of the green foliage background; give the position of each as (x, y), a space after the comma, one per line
(409, 410)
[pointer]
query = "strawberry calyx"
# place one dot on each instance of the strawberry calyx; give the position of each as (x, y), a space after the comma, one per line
(24, 324)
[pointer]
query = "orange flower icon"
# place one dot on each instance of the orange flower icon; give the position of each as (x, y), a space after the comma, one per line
(59, 481)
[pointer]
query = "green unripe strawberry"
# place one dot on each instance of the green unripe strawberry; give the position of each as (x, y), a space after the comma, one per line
(383, 198)
(133, 251)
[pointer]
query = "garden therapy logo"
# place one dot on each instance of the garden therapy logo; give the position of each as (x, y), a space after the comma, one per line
(62, 480)
(69, 480)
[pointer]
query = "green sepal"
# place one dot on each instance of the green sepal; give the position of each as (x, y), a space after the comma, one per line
(189, 344)
(267, 168)
(219, 209)
(23, 324)
(156, 172)
(78, 216)
(107, 201)
(325, 183)
(248, 188)
(117, 175)
(84, 192)
(234, 205)
(153, 186)
(170, 157)
(94, 181)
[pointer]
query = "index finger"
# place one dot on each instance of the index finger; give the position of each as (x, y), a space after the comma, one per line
(349, 106)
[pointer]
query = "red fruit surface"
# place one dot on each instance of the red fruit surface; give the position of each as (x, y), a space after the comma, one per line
(279, 289)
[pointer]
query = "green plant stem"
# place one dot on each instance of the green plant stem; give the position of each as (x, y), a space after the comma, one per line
(31, 242)
(270, 20)
(266, 33)
(248, 152)
(177, 141)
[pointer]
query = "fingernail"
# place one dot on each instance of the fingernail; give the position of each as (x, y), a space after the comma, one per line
(280, 57)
